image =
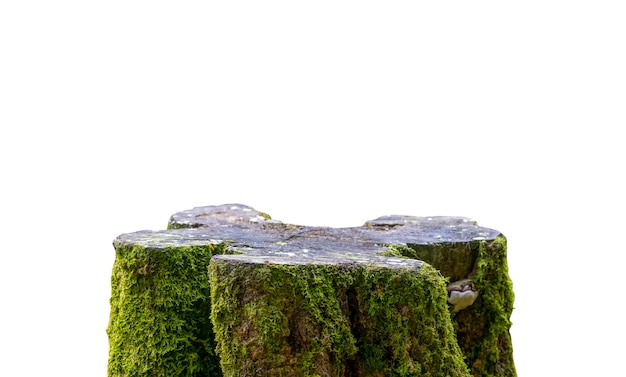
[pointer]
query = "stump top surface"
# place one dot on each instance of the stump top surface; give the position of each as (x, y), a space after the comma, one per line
(256, 238)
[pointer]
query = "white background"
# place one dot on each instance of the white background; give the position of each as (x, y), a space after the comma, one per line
(116, 114)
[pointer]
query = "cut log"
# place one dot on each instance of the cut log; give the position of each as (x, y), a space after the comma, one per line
(398, 296)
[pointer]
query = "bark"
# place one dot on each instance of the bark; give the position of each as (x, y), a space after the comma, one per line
(227, 291)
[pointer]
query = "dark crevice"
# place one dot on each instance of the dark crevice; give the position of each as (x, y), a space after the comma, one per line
(356, 329)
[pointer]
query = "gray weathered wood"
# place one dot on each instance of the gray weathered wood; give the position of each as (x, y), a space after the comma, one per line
(238, 235)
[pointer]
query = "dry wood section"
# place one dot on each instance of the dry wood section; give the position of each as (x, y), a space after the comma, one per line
(227, 291)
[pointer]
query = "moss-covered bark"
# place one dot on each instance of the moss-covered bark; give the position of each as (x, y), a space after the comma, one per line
(309, 301)
(403, 324)
(455, 261)
(277, 320)
(159, 323)
(325, 320)
(482, 329)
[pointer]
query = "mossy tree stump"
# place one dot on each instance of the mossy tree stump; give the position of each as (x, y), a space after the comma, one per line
(227, 291)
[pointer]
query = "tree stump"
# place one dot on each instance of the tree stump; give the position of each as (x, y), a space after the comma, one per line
(227, 291)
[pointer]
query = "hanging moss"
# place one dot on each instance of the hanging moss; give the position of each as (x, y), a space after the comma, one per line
(159, 303)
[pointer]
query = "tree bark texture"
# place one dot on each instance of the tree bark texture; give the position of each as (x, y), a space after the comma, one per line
(227, 291)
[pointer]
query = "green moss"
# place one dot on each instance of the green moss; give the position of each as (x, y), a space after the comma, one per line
(174, 226)
(483, 328)
(397, 251)
(158, 324)
(278, 320)
(403, 324)
(168, 318)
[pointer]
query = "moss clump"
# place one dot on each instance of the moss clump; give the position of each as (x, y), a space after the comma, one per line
(159, 303)
(397, 251)
(328, 320)
(280, 320)
(483, 328)
(403, 324)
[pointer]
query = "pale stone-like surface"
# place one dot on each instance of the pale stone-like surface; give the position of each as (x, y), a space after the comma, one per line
(263, 240)
(253, 237)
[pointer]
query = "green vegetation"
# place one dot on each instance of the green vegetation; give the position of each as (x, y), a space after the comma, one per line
(304, 320)
(159, 303)
(273, 319)
(483, 328)
(176, 311)
(403, 324)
